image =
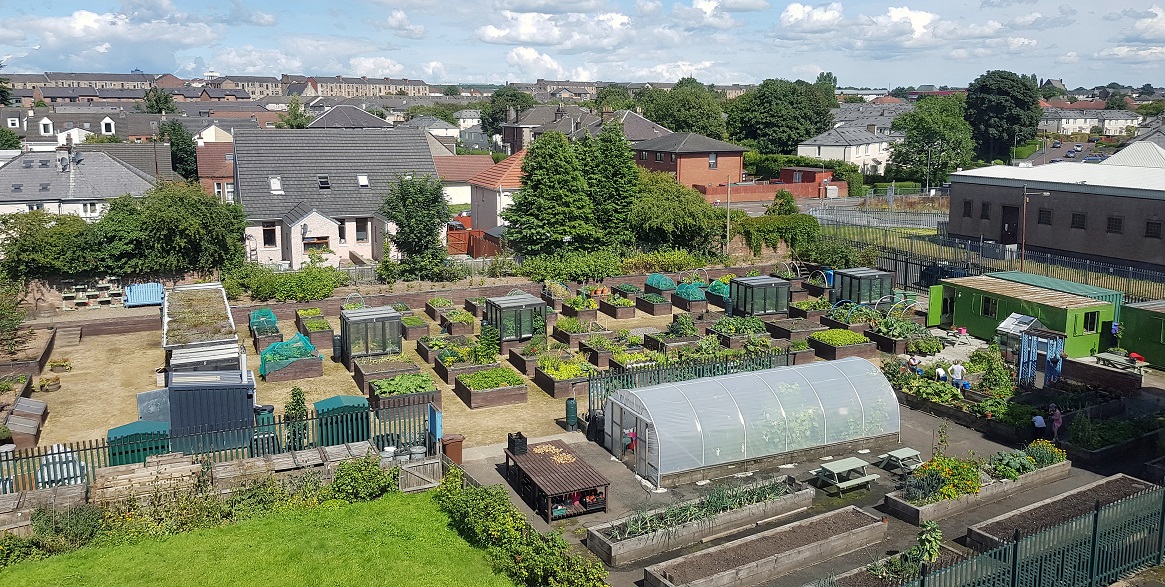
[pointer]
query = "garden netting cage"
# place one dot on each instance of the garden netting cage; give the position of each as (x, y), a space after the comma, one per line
(690, 292)
(718, 287)
(281, 354)
(262, 322)
(690, 425)
(661, 282)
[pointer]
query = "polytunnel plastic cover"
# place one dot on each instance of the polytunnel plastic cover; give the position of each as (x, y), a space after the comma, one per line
(724, 419)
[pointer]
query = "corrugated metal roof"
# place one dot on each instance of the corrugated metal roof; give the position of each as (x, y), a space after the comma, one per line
(1112, 296)
(1157, 306)
(1142, 154)
(1106, 180)
(1024, 292)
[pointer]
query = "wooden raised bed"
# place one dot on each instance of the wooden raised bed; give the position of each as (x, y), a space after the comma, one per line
(435, 313)
(599, 357)
(866, 350)
(762, 556)
(429, 355)
(912, 514)
(588, 315)
(321, 339)
(365, 370)
(647, 545)
(616, 312)
(553, 302)
(715, 299)
(456, 328)
(472, 307)
(304, 368)
(488, 398)
(793, 328)
(574, 339)
(385, 402)
(560, 389)
(858, 327)
(795, 312)
(894, 346)
(629, 295)
(262, 342)
(803, 357)
(525, 365)
(798, 294)
(815, 290)
(448, 373)
(617, 367)
(653, 342)
(1112, 452)
(32, 359)
(666, 293)
(689, 305)
(660, 309)
(414, 332)
(731, 341)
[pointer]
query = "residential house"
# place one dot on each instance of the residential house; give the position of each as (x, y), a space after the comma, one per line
(635, 127)
(455, 173)
(432, 124)
(520, 130)
(862, 147)
(152, 158)
(735, 90)
(208, 95)
(344, 116)
(317, 189)
(214, 133)
(131, 127)
(299, 85)
(566, 89)
(1068, 121)
(887, 100)
(1055, 83)
(868, 95)
(693, 159)
(64, 182)
(216, 169)
(256, 85)
(467, 118)
(475, 139)
(493, 190)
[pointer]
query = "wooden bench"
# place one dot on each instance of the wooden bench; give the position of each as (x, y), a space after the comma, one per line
(865, 480)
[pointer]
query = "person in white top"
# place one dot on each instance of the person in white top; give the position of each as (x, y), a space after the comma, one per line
(940, 374)
(958, 371)
(1041, 427)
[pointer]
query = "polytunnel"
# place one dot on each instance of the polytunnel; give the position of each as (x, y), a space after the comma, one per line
(689, 425)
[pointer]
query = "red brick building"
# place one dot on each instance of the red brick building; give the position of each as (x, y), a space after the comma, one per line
(216, 169)
(693, 159)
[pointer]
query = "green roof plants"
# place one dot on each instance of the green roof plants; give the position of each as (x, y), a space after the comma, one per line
(490, 379)
(441, 302)
(839, 337)
(403, 384)
(734, 325)
(197, 315)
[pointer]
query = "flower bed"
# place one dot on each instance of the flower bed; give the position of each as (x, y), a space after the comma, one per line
(414, 327)
(653, 304)
(838, 344)
(367, 369)
(490, 386)
(793, 328)
(618, 307)
(648, 533)
(405, 389)
(428, 347)
(435, 306)
(759, 557)
(457, 322)
(311, 323)
(562, 378)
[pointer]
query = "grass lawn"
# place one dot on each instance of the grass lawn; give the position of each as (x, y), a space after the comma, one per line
(397, 540)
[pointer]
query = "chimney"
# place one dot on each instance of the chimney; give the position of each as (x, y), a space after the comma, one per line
(605, 115)
(559, 114)
(872, 129)
(511, 115)
(575, 124)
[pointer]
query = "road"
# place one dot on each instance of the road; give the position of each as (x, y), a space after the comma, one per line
(1040, 158)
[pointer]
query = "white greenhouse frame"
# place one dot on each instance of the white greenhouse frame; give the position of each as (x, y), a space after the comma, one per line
(714, 421)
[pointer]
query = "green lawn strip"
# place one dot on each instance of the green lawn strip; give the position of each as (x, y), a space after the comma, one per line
(396, 540)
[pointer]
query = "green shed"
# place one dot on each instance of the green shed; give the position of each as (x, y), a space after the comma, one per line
(980, 303)
(1112, 296)
(1144, 330)
(342, 419)
(135, 441)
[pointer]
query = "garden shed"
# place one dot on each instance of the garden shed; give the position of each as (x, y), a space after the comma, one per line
(758, 296)
(862, 285)
(135, 441)
(514, 315)
(1144, 330)
(211, 410)
(342, 419)
(369, 332)
(227, 356)
(1010, 332)
(981, 302)
(678, 432)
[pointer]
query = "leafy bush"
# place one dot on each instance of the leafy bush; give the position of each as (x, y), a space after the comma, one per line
(924, 345)
(403, 384)
(572, 266)
(620, 301)
(813, 304)
(361, 480)
(1004, 465)
(412, 321)
(682, 326)
(1092, 434)
(582, 303)
(490, 379)
(1044, 453)
(317, 324)
(563, 369)
(312, 282)
(959, 477)
(555, 290)
(898, 328)
(68, 529)
(839, 337)
(736, 325)
(665, 261)
(628, 288)
(935, 391)
(309, 312)
(795, 230)
(799, 345)
(488, 345)
(459, 316)
(851, 313)
(642, 357)
(439, 303)
(653, 298)
(997, 380)
(726, 278)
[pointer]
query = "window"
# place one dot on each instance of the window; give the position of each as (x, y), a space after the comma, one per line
(658, 157)
(673, 157)
(711, 160)
(985, 211)
(325, 183)
(229, 192)
(270, 125)
(85, 125)
(643, 155)
(218, 188)
(230, 157)
(1079, 221)
(315, 243)
(276, 183)
(107, 128)
(1115, 225)
(36, 206)
(343, 228)
(46, 128)
(1091, 322)
(269, 234)
(1044, 217)
(362, 181)
(967, 209)
(361, 230)
(68, 125)
(89, 209)
(13, 123)
(989, 307)
(1152, 229)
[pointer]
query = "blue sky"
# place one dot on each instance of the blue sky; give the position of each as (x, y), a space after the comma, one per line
(865, 43)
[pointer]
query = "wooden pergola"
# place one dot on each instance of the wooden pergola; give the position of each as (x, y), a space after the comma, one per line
(555, 481)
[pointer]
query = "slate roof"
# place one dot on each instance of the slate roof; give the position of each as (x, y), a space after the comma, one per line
(246, 79)
(462, 168)
(845, 136)
(635, 127)
(886, 100)
(426, 122)
(125, 124)
(545, 115)
(95, 176)
(153, 159)
(506, 174)
(197, 124)
(687, 142)
(197, 108)
(297, 156)
(470, 114)
(344, 116)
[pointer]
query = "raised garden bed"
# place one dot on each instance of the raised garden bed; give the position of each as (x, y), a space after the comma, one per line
(797, 294)
(627, 290)
(617, 312)
(451, 323)
(429, 353)
(367, 369)
(398, 391)
(304, 368)
(31, 359)
(475, 306)
(653, 308)
(689, 305)
(525, 365)
(999, 489)
(413, 328)
(1054, 510)
(618, 367)
(703, 319)
(589, 315)
(268, 335)
(796, 357)
(768, 554)
(312, 326)
(894, 346)
(553, 302)
(815, 290)
(560, 388)
(655, 342)
(448, 373)
(858, 327)
(715, 299)
(666, 293)
(795, 312)
(598, 357)
(733, 341)
(435, 311)
(793, 328)
(573, 339)
(619, 552)
(197, 315)
(830, 352)
(502, 395)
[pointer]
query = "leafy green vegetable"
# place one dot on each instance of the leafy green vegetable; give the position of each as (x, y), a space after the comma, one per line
(736, 325)
(459, 316)
(582, 303)
(490, 379)
(653, 298)
(412, 321)
(813, 304)
(309, 312)
(839, 337)
(403, 384)
(441, 303)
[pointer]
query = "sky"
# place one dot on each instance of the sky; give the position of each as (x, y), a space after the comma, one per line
(864, 42)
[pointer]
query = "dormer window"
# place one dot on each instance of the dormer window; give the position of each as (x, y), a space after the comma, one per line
(46, 127)
(276, 184)
(325, 183)
(107, 127)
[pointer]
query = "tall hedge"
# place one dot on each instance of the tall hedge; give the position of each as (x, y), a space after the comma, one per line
(796, 230)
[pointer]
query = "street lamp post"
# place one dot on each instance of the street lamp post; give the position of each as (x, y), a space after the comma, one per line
(1023, 230)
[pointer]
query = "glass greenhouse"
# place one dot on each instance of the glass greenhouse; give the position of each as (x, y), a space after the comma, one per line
(369, 332)
(758, 296)
(690, 425)
(862, 285)
(514, 315)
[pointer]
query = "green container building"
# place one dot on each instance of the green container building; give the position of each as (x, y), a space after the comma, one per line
(980, 303)
(1112, 296)
(342, 419)
(1144, 330)
(135, 441)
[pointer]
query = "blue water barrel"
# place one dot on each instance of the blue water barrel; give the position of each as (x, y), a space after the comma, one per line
(829, 277)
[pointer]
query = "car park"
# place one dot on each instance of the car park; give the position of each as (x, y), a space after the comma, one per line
(1070, 154)
(1093, 159)
(1056, 160)
(1079, 147)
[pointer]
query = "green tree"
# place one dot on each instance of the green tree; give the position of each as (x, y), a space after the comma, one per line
(1115, 101)
(688, 107)
(1113, 86)
(608, 165)
(902, 92)
(12, 295)
(40, 104)
(1147, 90)
(1002, 110)
(614, 97)
(95, 138)
(1049, 92)
(295, 415)
(158, 101)
(552, 211)
(182, 149)
(938, 140)
(454, 90)
(417, 206)
(37, 244)
(1155, 108)
(669, 214)
(783, 204)
(854, 99)
(443, 111)
(778, 115)
(295, 117)
(493, 115)
(827, 83)
(9, 140)
(5, 89)
(377, 112)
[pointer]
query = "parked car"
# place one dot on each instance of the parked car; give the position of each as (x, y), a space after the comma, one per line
(1056, 144)
(1070, 154)
(1094, 139)
(1093, 159)
(1056, 160)
(1079, 147)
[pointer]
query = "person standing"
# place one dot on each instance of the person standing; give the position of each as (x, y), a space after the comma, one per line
(1057, 421)
(958, 372)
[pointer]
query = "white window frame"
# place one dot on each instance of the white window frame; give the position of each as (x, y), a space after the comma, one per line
(13, 123)
(362, 181)
(229, 192)
(275, 182)
(713, 161)
(218, 188)
(107, 127)
(46, 128)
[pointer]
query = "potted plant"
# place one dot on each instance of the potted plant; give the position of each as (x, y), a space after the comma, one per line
(597, 291)
(60, 365)
(581, 307)
(838, 343)
(414, 327)
(618, 306)
(51, 383)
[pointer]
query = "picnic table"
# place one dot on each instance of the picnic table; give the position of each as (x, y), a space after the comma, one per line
(1116, 361)
(844, 474)
(906, 459)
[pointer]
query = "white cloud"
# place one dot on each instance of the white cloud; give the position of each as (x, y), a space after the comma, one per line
(434, 69)
(1013, 44)
(565, 32)
(83, 25)
(240, 14)
(702, 14)
(805, 18)
(249, 60)
(648, 7)
(672, 71)
(1069, 57)
(965, 54)
(533, 64)
(807, 70)
(1148, 29)
(147, 9)
(398, 22)
(1151, 55)
(1003, 3)
(549, 6)
(1036, 21)
(744, 5)
(374, 66)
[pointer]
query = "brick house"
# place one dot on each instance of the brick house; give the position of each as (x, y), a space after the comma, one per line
(216, 169)
(694, 160)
